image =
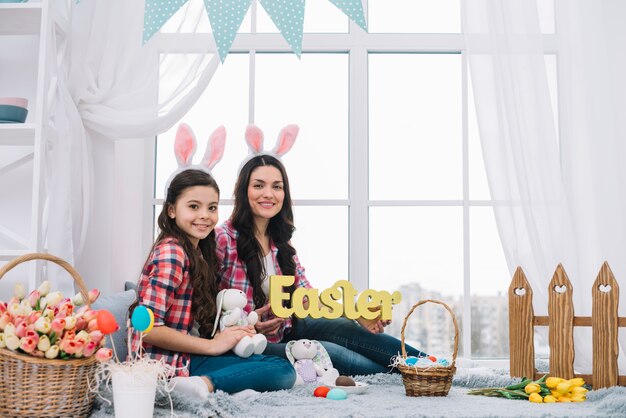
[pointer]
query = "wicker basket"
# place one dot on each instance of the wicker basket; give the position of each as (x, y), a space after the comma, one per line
(432, 381)
(36, 387)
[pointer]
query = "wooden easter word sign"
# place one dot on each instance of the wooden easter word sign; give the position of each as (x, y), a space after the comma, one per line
(370, 304)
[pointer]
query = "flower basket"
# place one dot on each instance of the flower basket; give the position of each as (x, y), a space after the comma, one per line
(39, 387)
(428, 381)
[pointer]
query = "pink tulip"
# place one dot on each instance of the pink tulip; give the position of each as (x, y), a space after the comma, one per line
(33, 317)
(93, 295)
(90, 314)
(28, 344)
(11, 341)
(3, 307)
(20, 330)
(52, 352)
(81, 324)
(43, 325)
(33, 298)
(104, 354)
(65, 309)
(82, 336)
(12, 301)
(89, 349)
(72, 347)
(44, 343)
(57, 326)
(81, 311)
(44, 288)
(30, 332)
(5, 319)
(93, 325)
(96, 336)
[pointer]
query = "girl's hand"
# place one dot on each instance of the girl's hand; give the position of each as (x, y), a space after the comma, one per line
(375, 326)
(228, 338)
(269, 327)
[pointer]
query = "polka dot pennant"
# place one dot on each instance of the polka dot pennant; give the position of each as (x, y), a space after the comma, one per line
(226, 17)
(156, 13)
(288, 16)
(353, 9)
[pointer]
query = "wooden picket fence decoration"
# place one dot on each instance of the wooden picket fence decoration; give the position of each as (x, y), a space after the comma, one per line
(561, 322)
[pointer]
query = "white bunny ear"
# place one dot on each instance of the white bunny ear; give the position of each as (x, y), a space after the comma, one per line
(214, 148)
(254, 138)
(184, 145)
(219, 301)
(286, 139)
(290, 356)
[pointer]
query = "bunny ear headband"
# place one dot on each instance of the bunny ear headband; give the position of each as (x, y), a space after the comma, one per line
(254, 139)
(185, 148)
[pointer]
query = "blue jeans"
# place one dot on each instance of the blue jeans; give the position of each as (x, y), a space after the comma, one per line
(231, 373)
(352, 349)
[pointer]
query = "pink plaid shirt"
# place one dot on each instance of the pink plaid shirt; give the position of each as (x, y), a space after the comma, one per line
(165, 287)
(233, 272)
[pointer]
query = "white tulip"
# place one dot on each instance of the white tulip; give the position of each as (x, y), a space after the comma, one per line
(42, 325)
(44, 288)
(19, 291)
(12, 342)
(44, 343)
(53, 299)
(52, 352)
(9, 329)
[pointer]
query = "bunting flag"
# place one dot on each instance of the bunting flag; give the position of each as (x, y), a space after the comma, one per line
(288, 16)
(226, 17)
(353, 9)
(156, 13)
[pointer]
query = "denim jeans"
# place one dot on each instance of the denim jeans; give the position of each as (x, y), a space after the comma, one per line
(352, 349)
(231, 373)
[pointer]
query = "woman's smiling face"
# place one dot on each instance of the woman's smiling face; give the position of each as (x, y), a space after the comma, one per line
(266, 192)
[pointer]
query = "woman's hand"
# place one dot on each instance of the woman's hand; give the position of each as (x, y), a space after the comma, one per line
(269, 327)
(228, 338)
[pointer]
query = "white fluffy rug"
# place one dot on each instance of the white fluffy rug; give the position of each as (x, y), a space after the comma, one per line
(385, 397)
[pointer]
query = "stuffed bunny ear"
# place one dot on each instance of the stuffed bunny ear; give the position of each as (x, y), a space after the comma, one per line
(254, 138)
(290, 356)
(286, 139)
(184, 145)
(219, 301)
(214, 148)
(322, 358)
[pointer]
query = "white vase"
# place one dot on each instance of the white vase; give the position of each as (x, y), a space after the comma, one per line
(134, 391)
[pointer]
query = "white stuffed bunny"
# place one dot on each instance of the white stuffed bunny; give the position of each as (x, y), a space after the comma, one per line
(312, 362)
(230, 304)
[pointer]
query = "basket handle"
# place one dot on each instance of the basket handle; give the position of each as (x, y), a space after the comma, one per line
(43, 256)
(456, 327)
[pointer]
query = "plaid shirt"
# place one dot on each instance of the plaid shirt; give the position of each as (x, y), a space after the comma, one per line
(233, 272)
(165, 287)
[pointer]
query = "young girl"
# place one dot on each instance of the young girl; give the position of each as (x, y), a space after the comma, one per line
(254, 244)
(178, 283)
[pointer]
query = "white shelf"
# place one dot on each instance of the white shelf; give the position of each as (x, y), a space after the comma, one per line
(20, 18)
(22, 134)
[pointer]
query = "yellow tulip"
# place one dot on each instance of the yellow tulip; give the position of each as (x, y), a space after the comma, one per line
(563, 387)
(536, 398)
(578, 390)
(577, 381)
(578, 398)
(555, 394)
(564, 399)
(532, 388)
(552, 382)
(549, 399)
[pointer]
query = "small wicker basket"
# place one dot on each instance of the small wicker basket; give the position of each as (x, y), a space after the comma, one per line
(430, 381)
(36, 387)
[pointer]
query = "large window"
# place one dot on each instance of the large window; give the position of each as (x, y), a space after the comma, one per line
(387, 173)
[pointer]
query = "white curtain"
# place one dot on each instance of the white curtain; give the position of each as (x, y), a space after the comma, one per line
(560, 198)
(104, 83)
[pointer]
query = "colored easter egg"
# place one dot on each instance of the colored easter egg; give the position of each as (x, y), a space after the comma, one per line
(410, 361)
(106, 322)
(443, 362)
(337, 394)
(142, 319)
(321, 391)
(432, 358)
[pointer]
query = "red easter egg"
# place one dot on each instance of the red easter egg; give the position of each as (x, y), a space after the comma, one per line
(432, 358)
(321, 391)
(106, 322)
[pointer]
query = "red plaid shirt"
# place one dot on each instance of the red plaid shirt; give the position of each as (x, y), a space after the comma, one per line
(233, 271)
(165, 287)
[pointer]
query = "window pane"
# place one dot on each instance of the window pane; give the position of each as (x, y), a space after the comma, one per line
(225, 102)
(414, 16)
(313, 93)
(415, 126)
(321, 239)
(478, 186)
(490, 281)
(192, 17)
(546, 15)
(424, 261)
(320, 16)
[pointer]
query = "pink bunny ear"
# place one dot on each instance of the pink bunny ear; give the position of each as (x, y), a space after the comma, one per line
(215, 148)
(254, 138)
(184, 145)
(286, 139)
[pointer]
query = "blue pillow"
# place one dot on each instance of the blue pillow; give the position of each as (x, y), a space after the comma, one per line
(118, 305)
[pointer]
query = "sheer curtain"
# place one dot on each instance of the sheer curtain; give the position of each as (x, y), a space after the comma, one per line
(104, 84)
(559, 198)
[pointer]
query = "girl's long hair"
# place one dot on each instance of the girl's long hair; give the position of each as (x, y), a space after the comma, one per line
(280, 229)
(203, 265)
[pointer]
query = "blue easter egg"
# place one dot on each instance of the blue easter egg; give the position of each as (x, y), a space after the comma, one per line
(410, 361)
(337, 394)
(443, 362)
(142, 319)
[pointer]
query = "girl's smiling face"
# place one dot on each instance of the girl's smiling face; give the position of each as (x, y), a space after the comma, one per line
(195, 212)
